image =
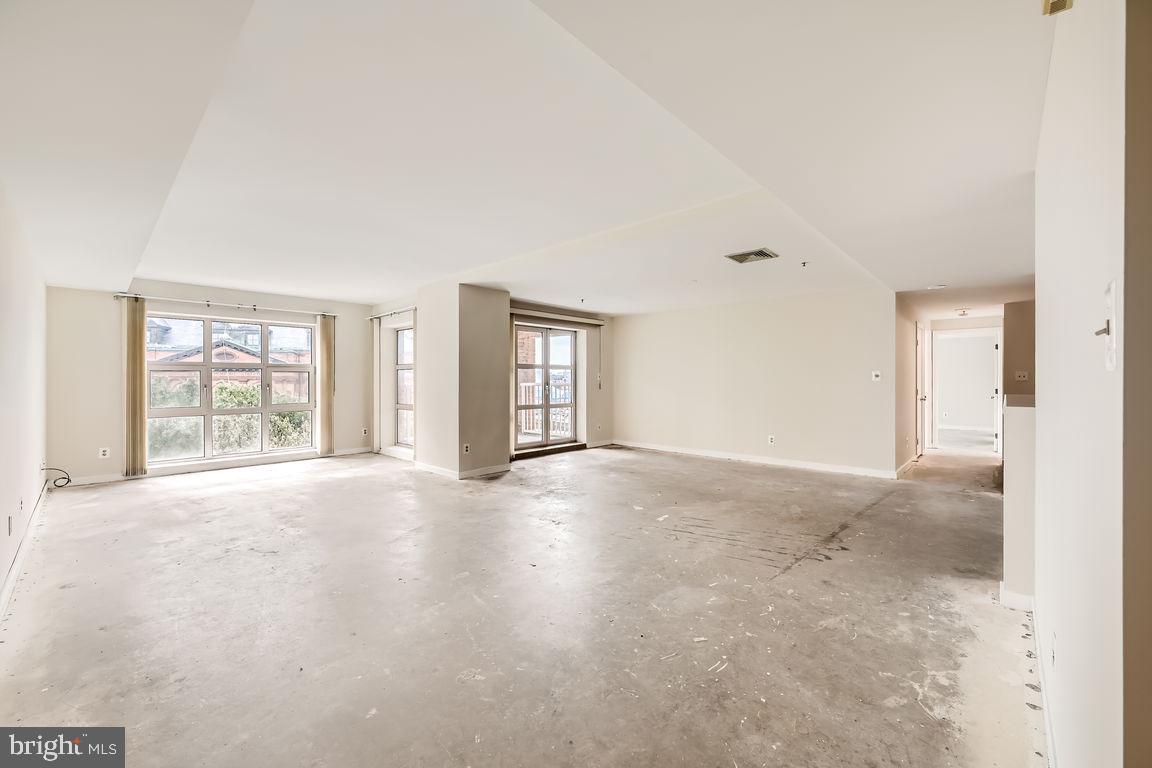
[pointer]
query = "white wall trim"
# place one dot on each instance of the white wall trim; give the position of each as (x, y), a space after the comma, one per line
(1049, 733)
(436, 470)
(350, 451)
(397, 452)
(906, 466)
(479, 472)
(886, 474)
(1017, 601)
(17, 567)
(96, 479)
(203, 465)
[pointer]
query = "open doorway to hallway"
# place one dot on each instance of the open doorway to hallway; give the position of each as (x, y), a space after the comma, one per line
(966, 384)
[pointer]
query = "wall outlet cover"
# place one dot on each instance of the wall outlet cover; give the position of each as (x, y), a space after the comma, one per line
(1021, 375)
(104, 453)
(467, 448)
(875, 375)
(364, 431)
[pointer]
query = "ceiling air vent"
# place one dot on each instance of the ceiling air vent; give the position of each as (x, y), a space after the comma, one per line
(1055, 6)
(747, 257)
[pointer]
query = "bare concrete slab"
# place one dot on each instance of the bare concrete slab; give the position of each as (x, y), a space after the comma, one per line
(610, 607)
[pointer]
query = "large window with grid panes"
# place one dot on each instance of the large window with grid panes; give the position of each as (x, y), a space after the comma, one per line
(221, 388)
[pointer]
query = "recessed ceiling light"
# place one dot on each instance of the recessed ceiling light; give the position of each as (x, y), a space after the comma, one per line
(963, 312)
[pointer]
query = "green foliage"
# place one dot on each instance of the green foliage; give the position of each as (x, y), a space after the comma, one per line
(175, 393)
(175, 438)
(237, 433)
(234, 394)
(290, 429)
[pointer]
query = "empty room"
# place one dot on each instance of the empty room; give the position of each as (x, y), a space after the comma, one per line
(576, 383)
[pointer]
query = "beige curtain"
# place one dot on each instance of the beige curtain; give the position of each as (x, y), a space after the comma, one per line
(326, 384)
(135, 390)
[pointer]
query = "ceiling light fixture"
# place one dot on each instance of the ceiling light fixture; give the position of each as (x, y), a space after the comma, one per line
(962, 312)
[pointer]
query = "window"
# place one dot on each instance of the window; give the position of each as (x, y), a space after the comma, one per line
(545, 386)
(405, 386)
(250, 393)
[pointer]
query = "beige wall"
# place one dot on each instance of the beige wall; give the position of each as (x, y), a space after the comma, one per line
(1020, 347)
(1137, 325)
(966, 379)
(85, 357)
(86, 368)
(485, 374)
(721, 380)
(22, 400)
(438, 376)
(905, 384)
(1079, 406)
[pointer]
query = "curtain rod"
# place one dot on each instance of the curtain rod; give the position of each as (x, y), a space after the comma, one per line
(209, 304)
(400, 311)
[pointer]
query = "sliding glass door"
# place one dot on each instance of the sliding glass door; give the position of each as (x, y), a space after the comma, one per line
(545, 386)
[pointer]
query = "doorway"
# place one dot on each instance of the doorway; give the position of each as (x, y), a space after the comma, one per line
(966, 390)
(545, 386)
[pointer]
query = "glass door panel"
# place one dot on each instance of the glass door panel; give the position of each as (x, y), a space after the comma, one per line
(545, 386)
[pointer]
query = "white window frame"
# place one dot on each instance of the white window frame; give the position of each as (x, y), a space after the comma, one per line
(206, 410)
(396, 388)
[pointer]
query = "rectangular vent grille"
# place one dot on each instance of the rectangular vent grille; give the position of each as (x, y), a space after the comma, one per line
(746, 257)
(1055, 6)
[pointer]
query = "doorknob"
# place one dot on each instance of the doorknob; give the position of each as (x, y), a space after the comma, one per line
(923, 398)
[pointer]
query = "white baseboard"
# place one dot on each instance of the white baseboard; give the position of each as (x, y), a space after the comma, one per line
(397, 452)
(96, 479)
(463, 475)
(1017, 601)
(885, 474)
(480, 472)
(350, 451)
(904, 468)
(598, 444)
(1049, 733)
(17, 567)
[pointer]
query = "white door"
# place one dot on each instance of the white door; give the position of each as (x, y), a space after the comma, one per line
(545, 386)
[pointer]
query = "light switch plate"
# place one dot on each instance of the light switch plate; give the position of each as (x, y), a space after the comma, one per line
(875, 375)
(1110, 315)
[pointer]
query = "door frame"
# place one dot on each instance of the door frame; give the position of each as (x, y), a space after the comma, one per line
(546, 405)
(995, 333)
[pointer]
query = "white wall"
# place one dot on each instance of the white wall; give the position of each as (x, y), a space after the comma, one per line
(906, 403)
(86, 376)
(22, 401)
(965, 381)
(723, 379)
(1079, 430)
(438, 376)
(86, 383)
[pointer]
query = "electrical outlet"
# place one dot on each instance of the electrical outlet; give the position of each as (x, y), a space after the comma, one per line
(771, 439)
(1021, 375)
(104, 453)
(467, 448)
(364, 431)
(597, 427)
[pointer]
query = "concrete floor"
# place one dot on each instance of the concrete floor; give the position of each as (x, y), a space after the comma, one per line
(610, 607)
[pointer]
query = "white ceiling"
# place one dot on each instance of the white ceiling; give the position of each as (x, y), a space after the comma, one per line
(98, 103)
(904, 131)
(608, 151)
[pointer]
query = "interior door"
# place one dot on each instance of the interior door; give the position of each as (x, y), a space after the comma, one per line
(545, 386)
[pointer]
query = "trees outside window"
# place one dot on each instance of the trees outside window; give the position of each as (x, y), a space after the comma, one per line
(222, 387)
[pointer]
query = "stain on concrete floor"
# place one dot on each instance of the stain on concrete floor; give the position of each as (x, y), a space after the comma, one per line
(600, 608)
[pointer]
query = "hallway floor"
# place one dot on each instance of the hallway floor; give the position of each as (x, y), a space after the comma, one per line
(609, 607)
